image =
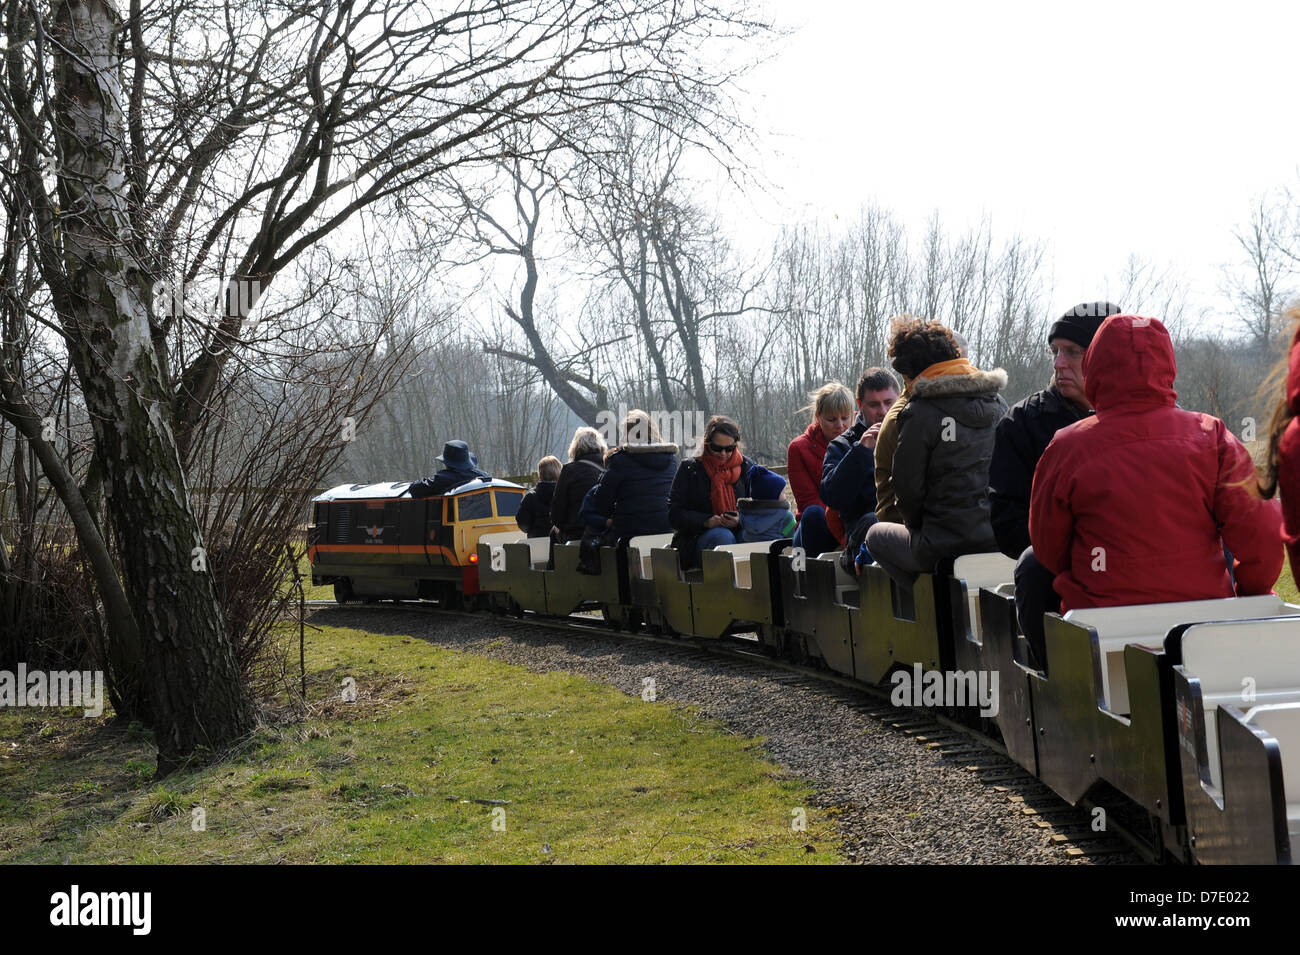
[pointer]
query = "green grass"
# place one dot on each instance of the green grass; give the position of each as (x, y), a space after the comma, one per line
(436, 745)
(1285, 585)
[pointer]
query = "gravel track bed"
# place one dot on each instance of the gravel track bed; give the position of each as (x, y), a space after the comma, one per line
(897, 801)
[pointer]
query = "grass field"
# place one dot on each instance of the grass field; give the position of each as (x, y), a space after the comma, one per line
(443, 757)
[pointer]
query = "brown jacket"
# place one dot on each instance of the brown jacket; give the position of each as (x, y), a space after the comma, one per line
(886, 444)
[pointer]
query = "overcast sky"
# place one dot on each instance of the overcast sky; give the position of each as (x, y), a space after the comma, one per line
(1105, 128)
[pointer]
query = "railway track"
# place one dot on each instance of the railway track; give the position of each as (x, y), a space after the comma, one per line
(1071, 829)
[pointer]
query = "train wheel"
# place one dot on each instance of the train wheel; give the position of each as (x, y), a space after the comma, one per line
(343, 592)
(632, 620)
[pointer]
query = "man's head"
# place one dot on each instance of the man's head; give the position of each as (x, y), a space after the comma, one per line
(455, 456)
(877, 391)
(1068, 342)
(548, 468)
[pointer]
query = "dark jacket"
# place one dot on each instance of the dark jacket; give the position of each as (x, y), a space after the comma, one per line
(941, 467)
(634, 489)
(576, 479)
(690, 503)
(1135, 504)
(446, 480)
(849, 476)
(1021, 439)
(534, 514)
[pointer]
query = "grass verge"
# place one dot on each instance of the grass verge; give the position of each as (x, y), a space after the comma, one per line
(443, 757)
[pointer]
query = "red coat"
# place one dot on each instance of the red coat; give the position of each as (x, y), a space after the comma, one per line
(803, 462)
(1288, 465)
(1128, 507)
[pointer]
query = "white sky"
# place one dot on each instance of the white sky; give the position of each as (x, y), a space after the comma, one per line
(1104, 128)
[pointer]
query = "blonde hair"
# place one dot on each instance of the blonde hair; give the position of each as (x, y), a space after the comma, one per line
(586, 441)
(548, 468)
(640, 428)
(831, 398)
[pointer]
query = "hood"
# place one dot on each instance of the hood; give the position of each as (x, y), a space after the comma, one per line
(1130, 364)
(970, 396)
(948, 384)
(654, 456)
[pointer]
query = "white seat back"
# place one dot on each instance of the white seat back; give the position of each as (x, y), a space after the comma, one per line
(740, 554)
(982, 570)
(1245, 663)
(539, 552)
(1147, 624)
(639, 549)
(494, 541)
(1282, 722)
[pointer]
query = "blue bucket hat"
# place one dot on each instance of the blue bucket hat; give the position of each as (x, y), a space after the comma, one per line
(455, 455)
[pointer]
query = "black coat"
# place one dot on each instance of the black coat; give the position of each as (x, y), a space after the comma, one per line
(576, 479)
(1021, 438)
(534, 514)
(446, 480)
(690, 504)
(941, 467)
(634, 489)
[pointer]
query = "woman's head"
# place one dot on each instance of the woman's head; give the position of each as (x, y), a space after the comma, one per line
(721, 437)
(640, 428)
(832, 408)
(917, 343)
(586, 441)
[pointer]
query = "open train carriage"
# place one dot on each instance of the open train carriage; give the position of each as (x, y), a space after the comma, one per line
(375, 542)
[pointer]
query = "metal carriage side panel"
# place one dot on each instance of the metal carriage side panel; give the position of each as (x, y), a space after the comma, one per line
(1244, 823)
(1066, 703)
(527, 587)
(832, 626)
(798, 610)
(672, 592)
(568, 590)
(1136, 755)
(1015, 716)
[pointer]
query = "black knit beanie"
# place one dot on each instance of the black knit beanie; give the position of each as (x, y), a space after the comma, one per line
(1080, 323)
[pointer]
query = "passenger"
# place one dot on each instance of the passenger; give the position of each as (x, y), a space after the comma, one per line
(702, 505)
(534, 514)
(887, 443)
(848, 473)
(586, 465)
(1022, 436)
(832, 414)
(459, 467)
(765, 516)
(1128, 506)
(632, 494)
(942, 461)
(1281, 470)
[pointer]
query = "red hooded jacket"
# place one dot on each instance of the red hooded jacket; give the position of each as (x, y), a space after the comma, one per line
(804, 467)
(1288, 465)
(1128, 507)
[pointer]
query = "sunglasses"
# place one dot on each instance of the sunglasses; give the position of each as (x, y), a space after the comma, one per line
(719, 448)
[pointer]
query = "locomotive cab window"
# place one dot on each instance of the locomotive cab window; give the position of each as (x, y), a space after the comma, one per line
(508, 502)
(472, 507)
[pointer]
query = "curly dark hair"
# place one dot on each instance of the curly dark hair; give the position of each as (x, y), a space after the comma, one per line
(917, 343)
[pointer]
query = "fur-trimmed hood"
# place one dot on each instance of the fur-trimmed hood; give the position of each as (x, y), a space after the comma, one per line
(949, 386)
(662, 447)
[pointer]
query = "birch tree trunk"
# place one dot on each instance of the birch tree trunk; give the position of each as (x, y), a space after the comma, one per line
(196, 696)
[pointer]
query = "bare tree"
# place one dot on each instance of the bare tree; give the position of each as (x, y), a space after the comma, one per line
(219, 145)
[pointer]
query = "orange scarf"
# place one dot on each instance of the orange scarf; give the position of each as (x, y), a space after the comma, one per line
(941, 369)
(723, 474)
